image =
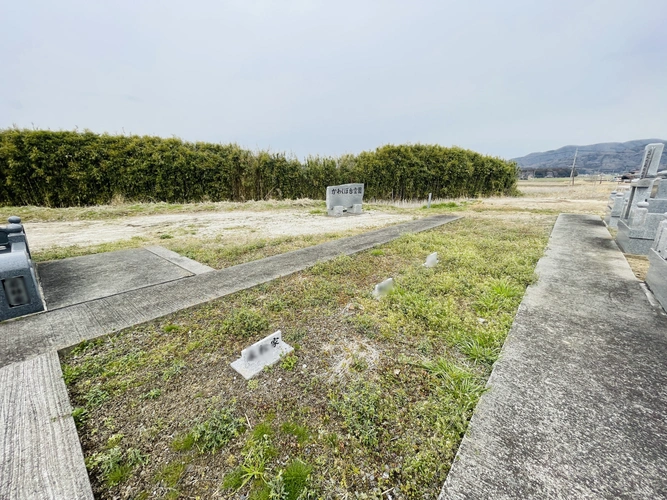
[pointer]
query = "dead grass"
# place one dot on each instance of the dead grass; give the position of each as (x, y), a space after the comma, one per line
(123, 209)
(639, 265)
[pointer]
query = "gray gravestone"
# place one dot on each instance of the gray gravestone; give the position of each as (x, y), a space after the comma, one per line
(617, 208)
(656, 278)
(641, 188)
(19, 291)
(651, 161)
(345, 199)
(258, 356)
(610, 205)
(637, 230)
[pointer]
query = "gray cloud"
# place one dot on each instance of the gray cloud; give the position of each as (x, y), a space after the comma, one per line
(504, 78)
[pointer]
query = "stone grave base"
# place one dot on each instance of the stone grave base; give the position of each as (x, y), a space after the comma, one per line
(628, 243)
(613, 221)
(656, 278)
(80, 279)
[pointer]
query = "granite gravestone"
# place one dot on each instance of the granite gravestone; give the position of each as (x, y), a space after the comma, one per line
(639, 191)
(656, 277)
(258, 356)
(610, 206)
(345, 199)
(617, 208)
(651, 161)
(636, 233)
(639, 188)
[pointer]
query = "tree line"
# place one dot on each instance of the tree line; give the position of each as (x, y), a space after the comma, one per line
(72, 168)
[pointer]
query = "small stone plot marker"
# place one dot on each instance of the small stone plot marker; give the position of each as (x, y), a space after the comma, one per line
(431, 260)
(382, 289)
(258, 356)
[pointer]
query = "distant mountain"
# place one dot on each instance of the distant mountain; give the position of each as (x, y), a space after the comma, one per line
(606, 157)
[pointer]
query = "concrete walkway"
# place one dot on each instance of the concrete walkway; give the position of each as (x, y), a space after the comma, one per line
(40, 454)
(577, 403)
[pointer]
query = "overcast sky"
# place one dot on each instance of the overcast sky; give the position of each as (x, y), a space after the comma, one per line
(501, 77)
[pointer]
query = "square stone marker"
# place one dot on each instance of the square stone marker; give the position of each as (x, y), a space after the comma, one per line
(258, 356)
(345, 199)
(80, 279)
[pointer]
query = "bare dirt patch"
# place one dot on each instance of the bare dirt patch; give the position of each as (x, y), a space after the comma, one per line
(238, 226)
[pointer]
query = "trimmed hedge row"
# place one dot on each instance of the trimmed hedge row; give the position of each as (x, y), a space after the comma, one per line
(60, 169)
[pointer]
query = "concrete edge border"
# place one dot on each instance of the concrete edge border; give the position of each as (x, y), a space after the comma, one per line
(179, 260)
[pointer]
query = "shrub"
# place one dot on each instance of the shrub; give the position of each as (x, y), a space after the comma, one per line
(71, 168)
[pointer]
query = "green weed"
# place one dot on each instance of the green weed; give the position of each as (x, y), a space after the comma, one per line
(152, 394)
(183, 442)
(114, 464)
(289, 362)
(295, 478)
(299, 431)
(174, 370)
(363, 413)
(95, 397)
(245, 322)
(170, 474)
(218, 430)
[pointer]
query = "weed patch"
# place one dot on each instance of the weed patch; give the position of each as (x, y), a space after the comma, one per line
(376, 397)
(214, 433)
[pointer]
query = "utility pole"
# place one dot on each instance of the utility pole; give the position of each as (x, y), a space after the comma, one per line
(573, 163)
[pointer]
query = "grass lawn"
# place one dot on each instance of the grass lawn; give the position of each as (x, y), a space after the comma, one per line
(374, 401)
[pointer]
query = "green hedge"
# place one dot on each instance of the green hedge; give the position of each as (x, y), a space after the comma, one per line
(60, 169)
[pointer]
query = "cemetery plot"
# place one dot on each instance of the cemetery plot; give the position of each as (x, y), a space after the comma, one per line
(375, 396)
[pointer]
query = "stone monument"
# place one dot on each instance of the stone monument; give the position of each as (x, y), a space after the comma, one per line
(258, 356)
(345, 199)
